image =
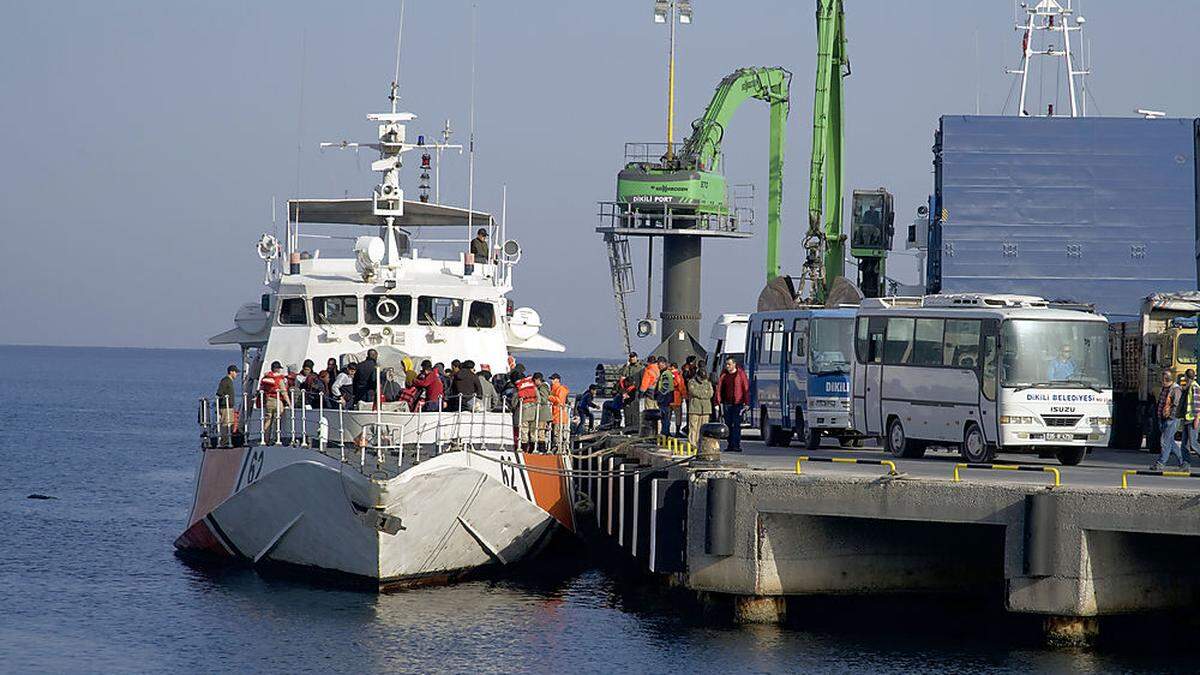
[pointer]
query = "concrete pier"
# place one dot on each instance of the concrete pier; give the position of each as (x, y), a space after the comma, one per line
(758, 533)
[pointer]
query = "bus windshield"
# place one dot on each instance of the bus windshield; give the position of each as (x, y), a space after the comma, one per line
(831, 345)
(1071, 354)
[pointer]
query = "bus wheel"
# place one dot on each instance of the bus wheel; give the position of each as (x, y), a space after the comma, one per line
(1070, 456)
(812, 437)
(773, 435)
(974, 449)
(898, 443)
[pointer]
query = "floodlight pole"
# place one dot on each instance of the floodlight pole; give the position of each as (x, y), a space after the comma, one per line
(671, 18)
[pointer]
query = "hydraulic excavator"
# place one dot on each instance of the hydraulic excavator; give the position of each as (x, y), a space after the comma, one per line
(871, 210)
(693, 178)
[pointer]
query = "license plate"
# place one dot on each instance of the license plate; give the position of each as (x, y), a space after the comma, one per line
(1060, 437)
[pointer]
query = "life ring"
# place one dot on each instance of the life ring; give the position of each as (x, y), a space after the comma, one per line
(387, 309)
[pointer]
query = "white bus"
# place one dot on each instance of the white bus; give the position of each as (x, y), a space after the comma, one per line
(983, 373)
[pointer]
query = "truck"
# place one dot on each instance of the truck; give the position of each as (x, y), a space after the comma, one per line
(1161, 339)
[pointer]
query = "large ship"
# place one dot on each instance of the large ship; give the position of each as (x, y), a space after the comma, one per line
(380, 491)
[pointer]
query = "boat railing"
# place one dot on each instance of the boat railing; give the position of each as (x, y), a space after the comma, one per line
(378, 438)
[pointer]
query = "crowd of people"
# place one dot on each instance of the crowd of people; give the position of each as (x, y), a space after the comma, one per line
(1178, 415)
(685, 396)
(540, 406)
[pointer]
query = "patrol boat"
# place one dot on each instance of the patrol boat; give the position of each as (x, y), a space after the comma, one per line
(378, 492)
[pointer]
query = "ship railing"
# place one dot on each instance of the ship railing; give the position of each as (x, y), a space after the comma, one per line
(370, 438)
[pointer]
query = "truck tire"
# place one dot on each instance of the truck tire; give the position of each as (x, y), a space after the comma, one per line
(812, 438)
(1070, 456)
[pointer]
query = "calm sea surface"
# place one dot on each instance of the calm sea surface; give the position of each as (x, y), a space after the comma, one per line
(89, 580)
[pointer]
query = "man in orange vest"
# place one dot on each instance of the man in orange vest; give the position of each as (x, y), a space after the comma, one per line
(560, 414)
(648, 388)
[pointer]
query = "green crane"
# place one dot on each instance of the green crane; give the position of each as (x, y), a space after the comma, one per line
(692, 177)
(871, 210)
(825, 245)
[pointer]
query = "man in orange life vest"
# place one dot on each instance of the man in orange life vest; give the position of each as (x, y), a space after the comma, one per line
(527, 408)
(560, 413)
(275, 398)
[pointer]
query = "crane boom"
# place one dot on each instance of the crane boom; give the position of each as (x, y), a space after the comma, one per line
(701, 151)
(825, 246)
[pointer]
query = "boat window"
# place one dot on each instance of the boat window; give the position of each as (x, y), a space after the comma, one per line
(435, 311)
(397, 312)
(336, 309)
(961, 346)
(482, 315)
(293, 312)
(898, 345)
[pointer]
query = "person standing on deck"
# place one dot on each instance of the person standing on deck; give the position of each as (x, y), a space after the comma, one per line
(490, 397)
(275, 397)
(342, 387)
(699, 409)
(679, 400)
(480, 250)
(560, 413)
(364, 379)
(227, 406)
(1168, 401)
(733, 389)
(544, 412)
(430, 382)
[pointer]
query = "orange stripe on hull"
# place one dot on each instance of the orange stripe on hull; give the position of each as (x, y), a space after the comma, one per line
(199, 537)
(219, 469)
(551, 491)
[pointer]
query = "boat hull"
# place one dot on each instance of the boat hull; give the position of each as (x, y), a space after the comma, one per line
(447, 516)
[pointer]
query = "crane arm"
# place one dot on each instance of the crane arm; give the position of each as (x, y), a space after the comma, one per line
(702, 149)
(825, 246)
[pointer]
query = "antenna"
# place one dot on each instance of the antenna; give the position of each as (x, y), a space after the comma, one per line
(395, 95)
(471, 142)
(1045, 20)
(300, 108)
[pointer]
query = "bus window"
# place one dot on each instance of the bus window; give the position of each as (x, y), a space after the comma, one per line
(989, 366)
(875, 339)
(927, 344)
(861, 339)
(961, 346)
(799, 341)
(898, 346)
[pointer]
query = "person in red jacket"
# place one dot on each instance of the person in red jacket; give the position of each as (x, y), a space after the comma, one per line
(430, 382)
(733, 388)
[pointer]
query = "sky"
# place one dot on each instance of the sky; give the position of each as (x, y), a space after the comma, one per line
(144, 142)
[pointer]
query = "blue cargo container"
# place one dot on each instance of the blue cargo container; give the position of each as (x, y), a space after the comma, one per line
(1096, 210)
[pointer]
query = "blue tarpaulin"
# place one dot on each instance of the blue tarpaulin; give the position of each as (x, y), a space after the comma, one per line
(1096, 210)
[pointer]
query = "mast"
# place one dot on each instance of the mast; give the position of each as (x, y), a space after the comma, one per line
(1050, 17)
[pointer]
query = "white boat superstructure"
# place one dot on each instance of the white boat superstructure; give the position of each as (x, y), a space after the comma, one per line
(374, 489)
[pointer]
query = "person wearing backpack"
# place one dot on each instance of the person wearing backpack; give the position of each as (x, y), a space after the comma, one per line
(1168, 405)
(664, 394)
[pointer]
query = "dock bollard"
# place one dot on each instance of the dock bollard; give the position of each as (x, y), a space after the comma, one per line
(711, 435)
(651, 423)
